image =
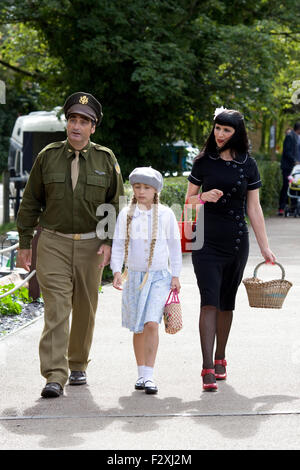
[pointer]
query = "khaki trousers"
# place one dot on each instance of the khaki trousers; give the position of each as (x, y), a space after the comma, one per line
(69, 278)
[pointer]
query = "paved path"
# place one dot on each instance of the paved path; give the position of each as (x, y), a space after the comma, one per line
(258, 407)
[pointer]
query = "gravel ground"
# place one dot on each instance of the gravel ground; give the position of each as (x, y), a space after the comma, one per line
(11, 323)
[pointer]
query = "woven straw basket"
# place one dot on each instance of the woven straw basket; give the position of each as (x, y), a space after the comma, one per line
(270, 294)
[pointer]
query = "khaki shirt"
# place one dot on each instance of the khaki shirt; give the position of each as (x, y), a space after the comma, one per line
(49, 200)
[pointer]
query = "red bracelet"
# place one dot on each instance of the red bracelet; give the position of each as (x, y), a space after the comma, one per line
(199, 198)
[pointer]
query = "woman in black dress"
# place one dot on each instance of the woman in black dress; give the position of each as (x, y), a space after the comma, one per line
(229, 179)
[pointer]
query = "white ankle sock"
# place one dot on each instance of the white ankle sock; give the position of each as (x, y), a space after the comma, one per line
(140, 371)
(148, 373)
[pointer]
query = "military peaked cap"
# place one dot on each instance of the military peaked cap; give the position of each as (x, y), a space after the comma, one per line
(85, 104)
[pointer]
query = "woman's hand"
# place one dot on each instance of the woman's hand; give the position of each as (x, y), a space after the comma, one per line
(212, 196)
(268, 255)
(117, 282)
(175, 284)
(209, 196)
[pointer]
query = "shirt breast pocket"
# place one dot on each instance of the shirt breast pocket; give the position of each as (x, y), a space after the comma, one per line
(54, 185)
(96, 187)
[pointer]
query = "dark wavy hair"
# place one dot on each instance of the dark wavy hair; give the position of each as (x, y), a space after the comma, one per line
(238, 144)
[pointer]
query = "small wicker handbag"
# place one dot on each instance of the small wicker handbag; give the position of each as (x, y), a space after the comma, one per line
(172, 313)
(270, 294)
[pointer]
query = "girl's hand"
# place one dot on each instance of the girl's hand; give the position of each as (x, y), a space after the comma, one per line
(175, 284)
(268, 255)
(117, 282)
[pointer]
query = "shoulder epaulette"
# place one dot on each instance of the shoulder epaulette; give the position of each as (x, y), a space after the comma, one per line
(53, 145)
(105, 149)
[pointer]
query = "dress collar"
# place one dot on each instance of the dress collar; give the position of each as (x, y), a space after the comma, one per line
(240, 159)
(138, 212)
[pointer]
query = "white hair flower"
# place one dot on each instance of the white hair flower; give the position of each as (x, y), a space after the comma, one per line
(219, 111)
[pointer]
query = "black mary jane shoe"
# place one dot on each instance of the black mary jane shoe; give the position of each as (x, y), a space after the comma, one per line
(52, 390)
(139, 384)
(77, 377)
(150, 389)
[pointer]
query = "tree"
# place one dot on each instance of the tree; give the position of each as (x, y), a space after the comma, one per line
(159, 68)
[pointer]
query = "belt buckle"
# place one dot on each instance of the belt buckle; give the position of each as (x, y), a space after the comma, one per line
(76, 236)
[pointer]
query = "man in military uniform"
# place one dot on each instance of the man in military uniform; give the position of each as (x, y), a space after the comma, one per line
(68, 182)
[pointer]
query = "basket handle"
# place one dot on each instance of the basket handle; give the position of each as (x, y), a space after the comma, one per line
(275, 262)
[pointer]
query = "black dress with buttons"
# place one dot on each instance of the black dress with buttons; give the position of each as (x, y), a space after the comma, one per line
(220, 263)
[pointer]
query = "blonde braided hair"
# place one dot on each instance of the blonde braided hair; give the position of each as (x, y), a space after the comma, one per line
(153, 235)
(130, 213)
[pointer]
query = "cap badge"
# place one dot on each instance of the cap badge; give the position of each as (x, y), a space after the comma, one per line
(83, 99)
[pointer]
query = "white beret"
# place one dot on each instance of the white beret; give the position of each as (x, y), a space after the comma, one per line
(147, 175)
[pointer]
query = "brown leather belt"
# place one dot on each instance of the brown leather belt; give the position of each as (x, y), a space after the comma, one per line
(73, 236)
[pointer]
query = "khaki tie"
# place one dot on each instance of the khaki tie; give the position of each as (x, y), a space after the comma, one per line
(75, 169)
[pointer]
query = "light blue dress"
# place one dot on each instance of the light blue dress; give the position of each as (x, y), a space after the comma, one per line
(140, 306)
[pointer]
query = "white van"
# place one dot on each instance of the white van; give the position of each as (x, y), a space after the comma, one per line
(31, 133)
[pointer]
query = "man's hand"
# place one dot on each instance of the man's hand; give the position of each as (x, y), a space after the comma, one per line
(104, 250)
(24, 259)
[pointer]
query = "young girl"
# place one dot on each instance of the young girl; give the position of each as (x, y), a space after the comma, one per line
(146, 238)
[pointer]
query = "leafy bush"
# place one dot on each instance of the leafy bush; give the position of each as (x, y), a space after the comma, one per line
(271, 183)
(174, 191)
(12, 304)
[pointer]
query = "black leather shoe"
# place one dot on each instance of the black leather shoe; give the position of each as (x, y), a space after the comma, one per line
(151, 388)
(139, 385)
(52, 390)
(77, 377)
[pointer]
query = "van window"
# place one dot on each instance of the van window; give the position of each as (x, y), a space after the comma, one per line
(18, 163)
(11, 157)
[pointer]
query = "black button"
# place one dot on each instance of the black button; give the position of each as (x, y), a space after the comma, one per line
(241, 170)
(230, 212)
(239, 183)
(227, 163)
(228, 195)
(236, 248)
(242, 176)
(237, 217)
(234, 165)
(240, 224)
(223, 201)
(238, 240)
(233, 190)
(240, 232)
